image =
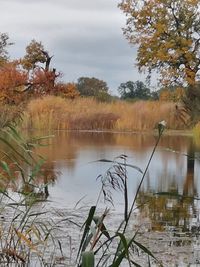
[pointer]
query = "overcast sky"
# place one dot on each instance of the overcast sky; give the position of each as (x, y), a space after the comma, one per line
(85, 37)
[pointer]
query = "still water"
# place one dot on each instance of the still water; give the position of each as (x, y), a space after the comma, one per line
(168, 206)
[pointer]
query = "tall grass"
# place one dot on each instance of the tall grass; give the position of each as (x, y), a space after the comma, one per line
(87, 114)
(25, 231)
(9, 115)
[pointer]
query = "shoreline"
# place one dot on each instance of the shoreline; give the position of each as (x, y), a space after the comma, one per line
(167, 132)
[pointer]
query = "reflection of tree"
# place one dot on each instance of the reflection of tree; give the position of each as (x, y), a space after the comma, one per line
(65, 146)
(167, 209)
(61, 147)
(36, 186)
(189, 186)
(170, 207)
(49, 175)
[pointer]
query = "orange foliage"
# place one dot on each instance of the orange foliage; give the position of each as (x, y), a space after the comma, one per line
(12, 80)
(68, 90)
(27, 78)
(43, 82)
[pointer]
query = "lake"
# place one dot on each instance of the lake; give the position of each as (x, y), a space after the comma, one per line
(167, 216)
(166, 212)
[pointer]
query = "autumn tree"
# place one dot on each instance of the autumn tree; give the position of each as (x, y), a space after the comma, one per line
(35, 54)
(12, 81)
(42, 78)
(93, 87)
(134, 90)
(67, 90)
(167, 33)
(191, 102)
(172, 93)
(42, 82)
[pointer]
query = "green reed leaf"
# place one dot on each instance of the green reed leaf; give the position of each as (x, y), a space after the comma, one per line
(88, 259)
(87, 228)
(5, 167)
(124, 243)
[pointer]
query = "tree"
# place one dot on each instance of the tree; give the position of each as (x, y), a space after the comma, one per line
(134, 90)
(172, 93)
(12, 81)
(35, 54)
(42, 82)
(191, 102)
(91, 86)
(67, 90)
(42, 78)
(167, 33)
(4, 43)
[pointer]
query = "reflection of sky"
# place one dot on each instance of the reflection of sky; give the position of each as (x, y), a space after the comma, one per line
(167, 168)
(81, 181)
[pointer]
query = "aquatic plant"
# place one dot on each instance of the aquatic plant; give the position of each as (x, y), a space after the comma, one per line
(55, 113)
(24, 230)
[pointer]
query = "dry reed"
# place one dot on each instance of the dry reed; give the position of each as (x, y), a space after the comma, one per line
(52, 112)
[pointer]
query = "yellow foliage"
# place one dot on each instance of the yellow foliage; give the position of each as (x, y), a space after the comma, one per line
(166, 36)
(172, 95)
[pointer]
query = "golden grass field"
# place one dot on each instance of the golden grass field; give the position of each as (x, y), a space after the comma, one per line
(56, 113)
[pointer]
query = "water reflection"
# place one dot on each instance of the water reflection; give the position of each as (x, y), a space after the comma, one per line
(173, 201)
(168, 198)
(174, 169)
(71, 154)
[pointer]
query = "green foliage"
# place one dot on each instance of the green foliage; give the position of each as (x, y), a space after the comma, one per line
(88, 259)
(86, 236)
(134, 90)
(103, 97)
(92, 87)
(154, 95)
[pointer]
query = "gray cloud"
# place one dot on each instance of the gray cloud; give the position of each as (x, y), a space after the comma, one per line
(85, 37)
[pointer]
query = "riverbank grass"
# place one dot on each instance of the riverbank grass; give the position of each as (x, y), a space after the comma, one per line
(55, 113)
